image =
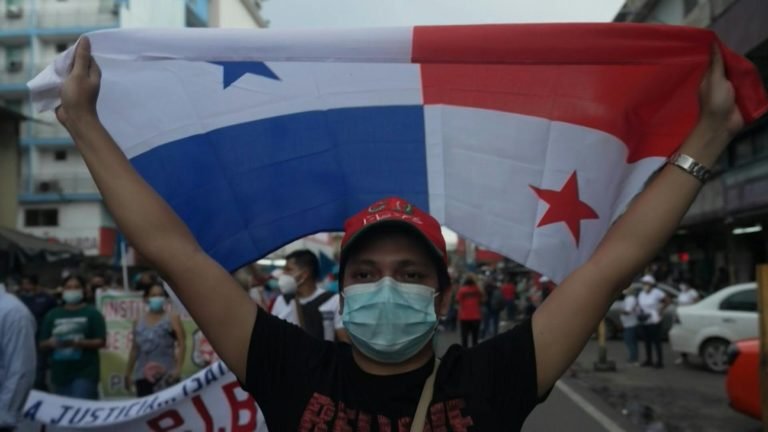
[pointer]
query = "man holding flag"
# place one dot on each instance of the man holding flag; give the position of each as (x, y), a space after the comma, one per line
(393, 281)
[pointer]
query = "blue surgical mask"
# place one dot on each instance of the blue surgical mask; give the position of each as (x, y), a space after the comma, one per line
(156, 304)
(72, 296)
(389, 321)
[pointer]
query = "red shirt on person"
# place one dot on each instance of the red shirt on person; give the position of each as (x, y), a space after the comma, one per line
(469, 298)
(508, 291)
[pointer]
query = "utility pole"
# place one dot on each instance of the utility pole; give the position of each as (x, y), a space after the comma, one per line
(762, 299)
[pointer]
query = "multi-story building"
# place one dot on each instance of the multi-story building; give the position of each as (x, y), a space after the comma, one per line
(236, 14)
(725, 233)
(56, 196)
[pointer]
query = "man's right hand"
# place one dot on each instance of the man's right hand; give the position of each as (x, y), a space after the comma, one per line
(80, 90)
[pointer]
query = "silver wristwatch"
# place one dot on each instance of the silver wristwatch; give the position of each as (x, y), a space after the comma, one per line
(689, 165)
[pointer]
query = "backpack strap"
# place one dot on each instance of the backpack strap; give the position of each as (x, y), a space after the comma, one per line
(420, 417)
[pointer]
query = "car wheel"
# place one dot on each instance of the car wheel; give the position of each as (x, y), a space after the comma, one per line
(714, 352)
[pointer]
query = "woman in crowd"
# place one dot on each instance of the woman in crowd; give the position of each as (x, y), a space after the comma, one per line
(159, 346)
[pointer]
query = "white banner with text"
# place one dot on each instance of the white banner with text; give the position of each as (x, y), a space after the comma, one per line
(209, 401)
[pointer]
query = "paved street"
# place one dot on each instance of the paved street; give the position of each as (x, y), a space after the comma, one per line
(676, 398)
(570, 406)
(681, 397)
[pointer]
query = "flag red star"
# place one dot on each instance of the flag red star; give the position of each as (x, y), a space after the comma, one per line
(565, 206)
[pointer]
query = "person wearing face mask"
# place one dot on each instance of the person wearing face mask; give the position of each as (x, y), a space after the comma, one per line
(303, 302)
(74, 333)
(394, 283)
(159, 346)
(652, 302)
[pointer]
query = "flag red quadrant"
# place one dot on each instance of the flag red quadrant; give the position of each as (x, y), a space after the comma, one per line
(636, 82)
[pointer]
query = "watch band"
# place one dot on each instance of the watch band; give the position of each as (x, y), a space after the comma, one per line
(691, 166)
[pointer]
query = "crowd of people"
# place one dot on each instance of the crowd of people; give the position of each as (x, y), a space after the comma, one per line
(58, 331)
(70, 331)
(480, 302)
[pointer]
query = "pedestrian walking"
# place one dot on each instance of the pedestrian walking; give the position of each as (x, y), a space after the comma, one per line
(39, 303)
(74, 333)
(18, 358)
(509, 292)
(629, 323)
(159, 346)
(652, 302)
(470, 299)
(492, 307)
(394, 280)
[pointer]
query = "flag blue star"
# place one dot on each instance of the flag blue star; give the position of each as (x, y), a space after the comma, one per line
(233, 70)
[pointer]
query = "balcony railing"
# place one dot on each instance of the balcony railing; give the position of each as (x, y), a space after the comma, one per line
(76, 18)
(59, 184)
(45, 130)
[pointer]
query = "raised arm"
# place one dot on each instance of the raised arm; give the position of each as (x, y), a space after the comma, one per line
(563, 324)
(220, 307)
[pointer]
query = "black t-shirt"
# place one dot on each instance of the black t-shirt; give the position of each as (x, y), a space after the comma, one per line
(301, 382)
(39, 303)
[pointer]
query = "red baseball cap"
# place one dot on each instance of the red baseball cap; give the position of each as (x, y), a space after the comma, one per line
(395, 210)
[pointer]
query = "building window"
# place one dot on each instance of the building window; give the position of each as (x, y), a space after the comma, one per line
(61, 47)
(60, 155)
(14, 59)
(13, 9)
(41, 217)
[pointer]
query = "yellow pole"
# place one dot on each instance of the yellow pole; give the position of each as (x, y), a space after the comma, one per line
(762, 300)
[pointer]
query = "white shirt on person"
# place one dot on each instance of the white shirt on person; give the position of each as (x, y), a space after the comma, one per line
(650, 302)
(329, 311)
(18, 357)
(629, 318)
(687, 297)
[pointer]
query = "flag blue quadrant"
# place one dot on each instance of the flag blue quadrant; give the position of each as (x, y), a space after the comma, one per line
(247, 189)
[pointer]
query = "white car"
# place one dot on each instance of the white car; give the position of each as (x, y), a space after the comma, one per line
(708, 327)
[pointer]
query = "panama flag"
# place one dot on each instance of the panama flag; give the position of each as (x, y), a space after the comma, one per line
(529, 140)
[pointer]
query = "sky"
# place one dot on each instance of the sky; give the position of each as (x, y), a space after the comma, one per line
(383, 13)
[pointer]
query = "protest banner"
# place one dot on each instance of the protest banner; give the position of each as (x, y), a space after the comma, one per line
(210, 400)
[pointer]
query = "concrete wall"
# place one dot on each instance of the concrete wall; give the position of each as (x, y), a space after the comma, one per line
(153, 13)
(234, 14)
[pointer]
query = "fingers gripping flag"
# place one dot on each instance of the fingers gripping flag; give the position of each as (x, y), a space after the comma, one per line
(528, 139)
